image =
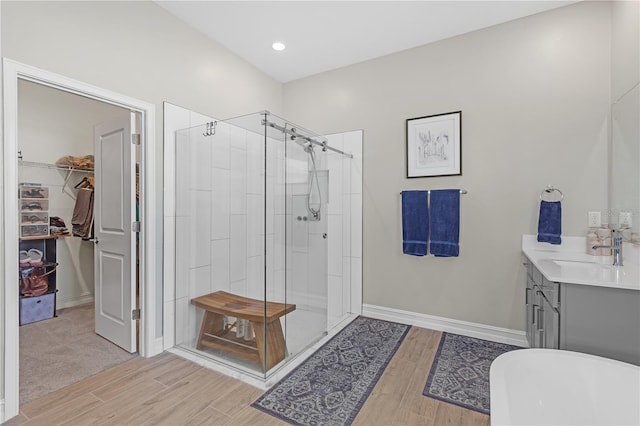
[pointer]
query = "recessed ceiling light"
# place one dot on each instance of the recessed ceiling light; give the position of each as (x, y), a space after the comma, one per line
(278, 46)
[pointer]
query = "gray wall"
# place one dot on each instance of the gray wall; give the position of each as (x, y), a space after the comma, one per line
(534, 95)
(625, 47)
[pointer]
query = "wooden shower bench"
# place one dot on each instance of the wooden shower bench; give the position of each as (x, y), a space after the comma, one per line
(269, 347)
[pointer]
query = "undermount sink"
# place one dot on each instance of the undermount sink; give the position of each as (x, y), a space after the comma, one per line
(573, 263)
(582, 265)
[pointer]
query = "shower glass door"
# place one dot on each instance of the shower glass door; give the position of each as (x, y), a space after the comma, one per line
(306, 192)
(250, 235)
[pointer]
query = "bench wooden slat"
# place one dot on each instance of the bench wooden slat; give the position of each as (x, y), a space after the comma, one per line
(233, 305)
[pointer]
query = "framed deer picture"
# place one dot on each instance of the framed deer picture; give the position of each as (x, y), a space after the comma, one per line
(434, 144)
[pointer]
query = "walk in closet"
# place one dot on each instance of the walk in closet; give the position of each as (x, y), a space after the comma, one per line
(56, 176)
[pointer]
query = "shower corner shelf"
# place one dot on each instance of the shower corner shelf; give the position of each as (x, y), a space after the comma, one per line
(70, 170)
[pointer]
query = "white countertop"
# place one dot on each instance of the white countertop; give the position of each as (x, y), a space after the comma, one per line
(569, 263)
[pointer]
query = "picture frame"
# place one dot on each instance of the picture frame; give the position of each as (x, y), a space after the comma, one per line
(434, 145)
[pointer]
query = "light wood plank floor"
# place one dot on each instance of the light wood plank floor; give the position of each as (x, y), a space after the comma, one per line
(168, 390)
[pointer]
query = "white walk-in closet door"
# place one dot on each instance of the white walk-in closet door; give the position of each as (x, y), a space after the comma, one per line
(114, 209)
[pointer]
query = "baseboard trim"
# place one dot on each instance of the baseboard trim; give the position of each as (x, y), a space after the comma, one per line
(62, 303)
(2, 419)
(480, 331)
(158, 347)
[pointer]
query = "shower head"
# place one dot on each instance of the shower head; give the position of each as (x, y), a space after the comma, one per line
(306, 145)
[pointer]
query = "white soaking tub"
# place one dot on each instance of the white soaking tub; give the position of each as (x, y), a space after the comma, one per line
(555, 387)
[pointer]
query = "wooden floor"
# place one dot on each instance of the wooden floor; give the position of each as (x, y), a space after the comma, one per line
(169, 390)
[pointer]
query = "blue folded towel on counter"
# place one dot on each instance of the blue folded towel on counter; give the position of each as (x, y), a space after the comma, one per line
(550, 222)
(445, 223)
(415, 222)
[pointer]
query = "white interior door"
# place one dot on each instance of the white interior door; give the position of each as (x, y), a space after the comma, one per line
(114, 210)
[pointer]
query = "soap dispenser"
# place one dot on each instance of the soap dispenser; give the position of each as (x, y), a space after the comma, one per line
(604, 237)
(592, 240)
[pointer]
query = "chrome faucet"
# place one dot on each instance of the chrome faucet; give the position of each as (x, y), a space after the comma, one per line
(616, 249)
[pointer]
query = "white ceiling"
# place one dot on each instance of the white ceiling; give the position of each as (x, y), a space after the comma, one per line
(325, 35)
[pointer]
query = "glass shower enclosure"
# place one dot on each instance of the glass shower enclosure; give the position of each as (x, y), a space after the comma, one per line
(251, 241)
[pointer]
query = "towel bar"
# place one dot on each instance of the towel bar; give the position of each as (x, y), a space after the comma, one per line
(462, 191)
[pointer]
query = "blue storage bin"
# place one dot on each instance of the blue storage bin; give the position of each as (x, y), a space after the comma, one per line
(37, 308)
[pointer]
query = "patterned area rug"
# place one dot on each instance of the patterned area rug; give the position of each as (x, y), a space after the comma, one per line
(460, 371)
(330, 387)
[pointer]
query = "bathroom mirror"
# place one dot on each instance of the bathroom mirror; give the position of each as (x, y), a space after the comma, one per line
(624, 183)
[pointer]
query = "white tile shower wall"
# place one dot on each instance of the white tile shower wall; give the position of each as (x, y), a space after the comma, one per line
(237, 137)
(270, 284)
(255, 277)
(238, 235)
(187, 171)
(200, 164)
(317, 270)
(220, 262)
(221, 147)
(200, 224)
(181, 257)
(238, 182)
(334, 266)
(255, 163)
(200, 281)
(238, 248)
(255, 225)
(221, 203)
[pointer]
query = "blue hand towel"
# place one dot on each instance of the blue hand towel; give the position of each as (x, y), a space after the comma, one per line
(415, 222)
(445, 223)
(550, 222)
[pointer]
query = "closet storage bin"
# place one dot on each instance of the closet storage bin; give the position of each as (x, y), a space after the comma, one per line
(34, 218)
(37, 308)
(34, 191)
(28, 231)
(34, 205)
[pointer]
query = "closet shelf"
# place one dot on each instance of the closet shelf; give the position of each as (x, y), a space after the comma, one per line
(70, 170)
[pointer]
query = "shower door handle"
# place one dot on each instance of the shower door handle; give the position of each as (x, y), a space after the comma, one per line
(324, 236)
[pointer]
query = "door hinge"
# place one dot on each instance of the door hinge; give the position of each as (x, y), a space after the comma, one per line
(135, 138)
(135, 314)
(135, 226)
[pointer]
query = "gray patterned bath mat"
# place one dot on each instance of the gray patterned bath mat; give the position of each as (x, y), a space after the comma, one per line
(460, 371)
(330, 387)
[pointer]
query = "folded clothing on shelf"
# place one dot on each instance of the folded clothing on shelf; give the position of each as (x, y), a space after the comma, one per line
(85, 162)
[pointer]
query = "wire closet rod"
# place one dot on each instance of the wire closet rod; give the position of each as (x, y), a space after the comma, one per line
(306, 138)
(462, 191)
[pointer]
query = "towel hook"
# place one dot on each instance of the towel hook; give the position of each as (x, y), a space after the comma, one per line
(211, 129)
(549, 190)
